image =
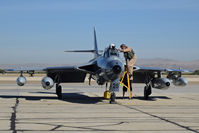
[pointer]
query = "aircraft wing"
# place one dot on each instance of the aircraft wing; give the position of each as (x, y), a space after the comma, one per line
(157, 69)
(149, 69)
(22, 69)
(67, 74)
(141, 73)
(62, 74)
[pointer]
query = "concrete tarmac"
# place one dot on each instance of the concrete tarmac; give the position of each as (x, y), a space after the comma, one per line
(31, 109)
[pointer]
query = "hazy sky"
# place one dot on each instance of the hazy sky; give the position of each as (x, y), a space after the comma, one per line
(38, 31)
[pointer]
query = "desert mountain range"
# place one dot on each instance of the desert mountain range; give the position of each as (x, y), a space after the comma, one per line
(157, 62)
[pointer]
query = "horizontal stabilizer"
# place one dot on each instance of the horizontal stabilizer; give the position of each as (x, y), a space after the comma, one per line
(96, 52)
(80, 51)
(84, 51)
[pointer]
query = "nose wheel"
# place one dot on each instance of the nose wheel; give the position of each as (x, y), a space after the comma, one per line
(59, 91)
(114, 87)
(112, 98)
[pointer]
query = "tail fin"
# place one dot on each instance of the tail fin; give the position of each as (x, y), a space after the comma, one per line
(95, 44)
(95, 51)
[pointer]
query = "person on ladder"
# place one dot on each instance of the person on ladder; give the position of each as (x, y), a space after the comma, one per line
(130, 58)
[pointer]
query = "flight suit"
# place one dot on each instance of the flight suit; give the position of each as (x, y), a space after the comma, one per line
(130, 60)
(130, 65)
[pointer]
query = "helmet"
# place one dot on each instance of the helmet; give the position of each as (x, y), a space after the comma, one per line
(112, 46)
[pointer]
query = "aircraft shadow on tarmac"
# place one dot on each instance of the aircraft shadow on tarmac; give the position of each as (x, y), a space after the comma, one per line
(78, 97)
(151, 98)
(68, 97)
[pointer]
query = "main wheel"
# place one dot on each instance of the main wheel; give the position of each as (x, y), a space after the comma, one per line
(59, 91)
(147, 91)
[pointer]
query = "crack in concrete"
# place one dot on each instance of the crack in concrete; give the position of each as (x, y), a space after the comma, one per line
(89, 128)
(58, 126)
(163, 119)
(13, 117)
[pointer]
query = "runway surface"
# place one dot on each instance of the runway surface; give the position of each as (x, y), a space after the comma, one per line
(31, 109)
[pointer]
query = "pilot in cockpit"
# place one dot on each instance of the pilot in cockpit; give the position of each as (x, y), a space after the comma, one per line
(112, 50)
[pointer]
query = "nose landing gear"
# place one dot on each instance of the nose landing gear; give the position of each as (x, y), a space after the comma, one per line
(112, 98)
(114, 87)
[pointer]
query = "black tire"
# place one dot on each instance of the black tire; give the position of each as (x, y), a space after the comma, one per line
(146, 96)
(147, 91)
(59, 91)
(112, 98)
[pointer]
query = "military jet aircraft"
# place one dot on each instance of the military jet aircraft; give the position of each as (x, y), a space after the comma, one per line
(106, 68)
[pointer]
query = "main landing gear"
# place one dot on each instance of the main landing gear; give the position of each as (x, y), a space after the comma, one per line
(112, 91)
(59, 91)
(147, 91)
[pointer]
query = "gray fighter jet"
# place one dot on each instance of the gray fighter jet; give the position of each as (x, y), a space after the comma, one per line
(107, 68)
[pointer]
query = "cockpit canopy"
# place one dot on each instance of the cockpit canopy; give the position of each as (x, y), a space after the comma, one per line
(111, 52)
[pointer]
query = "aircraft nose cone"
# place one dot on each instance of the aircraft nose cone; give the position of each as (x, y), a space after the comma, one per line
(116, 69)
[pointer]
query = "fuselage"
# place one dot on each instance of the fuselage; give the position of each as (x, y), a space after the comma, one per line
(110, 66)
